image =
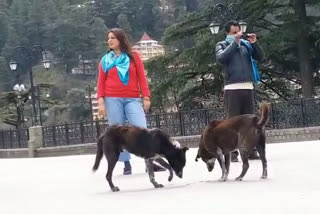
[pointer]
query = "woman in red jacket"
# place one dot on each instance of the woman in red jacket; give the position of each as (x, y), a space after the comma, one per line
(121, 82)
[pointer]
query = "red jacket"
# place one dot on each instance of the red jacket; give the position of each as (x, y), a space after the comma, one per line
(110, 85)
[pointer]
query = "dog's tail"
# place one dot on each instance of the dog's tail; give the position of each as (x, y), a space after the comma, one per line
(264, 111)
(99, 154)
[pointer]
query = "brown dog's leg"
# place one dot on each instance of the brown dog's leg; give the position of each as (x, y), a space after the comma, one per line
(151, 173)
(227, 160)
(167, 166)
(261, 147)
(222, 165)
(245, 164)
(112, 159)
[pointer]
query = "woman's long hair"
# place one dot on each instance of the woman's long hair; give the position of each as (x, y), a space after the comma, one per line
(125, 45)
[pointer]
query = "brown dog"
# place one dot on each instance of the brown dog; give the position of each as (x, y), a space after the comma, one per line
(243, 132)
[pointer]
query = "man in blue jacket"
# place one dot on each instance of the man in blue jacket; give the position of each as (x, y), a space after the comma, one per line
(237, 56)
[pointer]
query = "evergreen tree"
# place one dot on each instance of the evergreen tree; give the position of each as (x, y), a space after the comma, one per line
(122, 22)
(3, 23)
(276, 23)
(35, 24)
(4, 75)
(17, 29)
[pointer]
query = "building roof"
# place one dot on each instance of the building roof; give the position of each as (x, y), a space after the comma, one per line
(145, 37)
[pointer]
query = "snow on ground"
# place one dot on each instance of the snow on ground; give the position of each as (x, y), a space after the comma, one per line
(65, 185)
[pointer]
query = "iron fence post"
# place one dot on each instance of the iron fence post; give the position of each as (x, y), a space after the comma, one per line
(181, 123)
(2, 139)
(43, 136)
(158, 121)
(206, 114)
(19, 137)
(67, 134)
(302, 112)
(54, 135)
(11, 140)
(98, 129)
(272, 115)
(81, 132)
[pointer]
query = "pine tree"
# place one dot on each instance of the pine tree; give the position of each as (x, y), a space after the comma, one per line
(3, 23)
(276, 24)
(4, 75)
(123, 23)
(17, 29)
(35, 24)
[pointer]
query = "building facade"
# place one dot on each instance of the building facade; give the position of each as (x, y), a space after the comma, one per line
(148, 48)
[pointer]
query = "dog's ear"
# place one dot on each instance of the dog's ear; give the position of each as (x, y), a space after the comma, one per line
(197, 157)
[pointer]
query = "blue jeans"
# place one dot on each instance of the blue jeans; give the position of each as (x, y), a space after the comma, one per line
(121, 109)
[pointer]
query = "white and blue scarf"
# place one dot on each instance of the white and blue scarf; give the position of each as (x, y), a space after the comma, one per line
(121, 62)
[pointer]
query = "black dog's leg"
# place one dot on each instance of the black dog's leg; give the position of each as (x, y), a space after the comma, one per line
(261, 147)
(112, 159)
(245, 164)
(167, 166)
(151, 174)
(222, 165)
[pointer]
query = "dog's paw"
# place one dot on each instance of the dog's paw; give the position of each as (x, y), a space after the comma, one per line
(115, 189)
(159, 186)
(170, 178)
(263, 177)
(222, 179)
(239, 179)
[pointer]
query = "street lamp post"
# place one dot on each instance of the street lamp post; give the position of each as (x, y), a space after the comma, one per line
(19, 90)
(222, 14)
(39, 86)
(27, 58)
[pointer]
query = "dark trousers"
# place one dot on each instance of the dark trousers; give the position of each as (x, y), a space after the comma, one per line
(238, 102)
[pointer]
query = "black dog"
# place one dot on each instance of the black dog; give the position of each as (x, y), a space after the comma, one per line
(148, 144)
(242, 132)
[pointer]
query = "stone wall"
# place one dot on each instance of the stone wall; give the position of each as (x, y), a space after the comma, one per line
(293, 135)
(35, 149)
(13, 153)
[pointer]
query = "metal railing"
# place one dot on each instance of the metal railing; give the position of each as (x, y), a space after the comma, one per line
(290, 114)
(295, 114)
(14, 138)
(72, 133)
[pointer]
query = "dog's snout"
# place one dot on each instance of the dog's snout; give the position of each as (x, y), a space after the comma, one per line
(197, 157)
(179, 174)
(210, 164)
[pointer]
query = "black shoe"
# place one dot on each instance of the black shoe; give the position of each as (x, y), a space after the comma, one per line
(234, 159)
(127, 168)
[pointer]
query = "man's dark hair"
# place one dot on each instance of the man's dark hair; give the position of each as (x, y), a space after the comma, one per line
(231, 23)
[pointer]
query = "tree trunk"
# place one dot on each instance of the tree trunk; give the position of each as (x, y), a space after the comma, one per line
(303, 48)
